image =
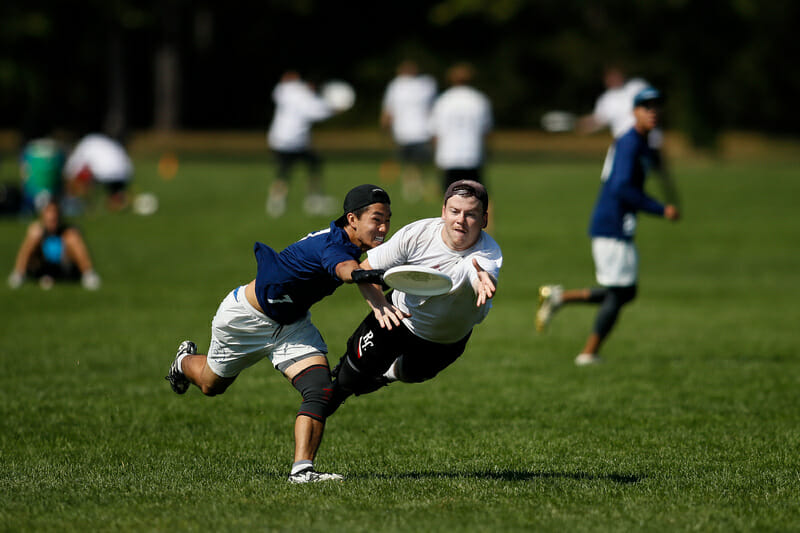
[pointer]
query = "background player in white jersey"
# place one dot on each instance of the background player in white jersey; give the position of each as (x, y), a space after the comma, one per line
(460, 121)
(411, 338)
(269, 317)
(612, 229)
(614, 110)
(297, 107)
(98, 158)
(405, 110)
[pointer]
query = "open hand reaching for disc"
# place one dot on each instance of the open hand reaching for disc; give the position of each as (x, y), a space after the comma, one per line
(485, 287)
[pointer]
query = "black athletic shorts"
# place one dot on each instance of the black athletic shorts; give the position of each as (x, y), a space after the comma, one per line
(373, 349)
(287, 160)
(415, 153)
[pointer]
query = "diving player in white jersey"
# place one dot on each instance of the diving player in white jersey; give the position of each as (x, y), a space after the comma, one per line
(435, 329)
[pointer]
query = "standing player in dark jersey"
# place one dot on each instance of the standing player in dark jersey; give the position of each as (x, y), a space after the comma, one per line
(612, 229)
(269, 317)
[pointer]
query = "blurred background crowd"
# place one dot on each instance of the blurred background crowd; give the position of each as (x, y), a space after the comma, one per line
(121, 66)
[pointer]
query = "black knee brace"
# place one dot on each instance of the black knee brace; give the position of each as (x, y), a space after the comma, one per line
(314, 384)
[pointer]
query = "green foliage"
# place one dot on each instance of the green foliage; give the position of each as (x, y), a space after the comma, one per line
(691, 423)
(722, 63)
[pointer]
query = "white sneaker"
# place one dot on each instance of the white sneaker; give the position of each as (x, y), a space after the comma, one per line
(15, 280)
(585, 359)
(309, 475)
(90, 281)
(318, 204)
(549, 302)
(276, 205)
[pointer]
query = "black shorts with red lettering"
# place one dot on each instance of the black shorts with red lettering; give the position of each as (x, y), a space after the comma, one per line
(372, 350)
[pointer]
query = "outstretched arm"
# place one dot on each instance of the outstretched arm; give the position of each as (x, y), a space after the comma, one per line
(485, 286)
(668, 185)
(386, 313)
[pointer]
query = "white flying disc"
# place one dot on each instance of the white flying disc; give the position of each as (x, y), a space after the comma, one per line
(558, 121)
(418, 280)
(145, 204)
(338, 94)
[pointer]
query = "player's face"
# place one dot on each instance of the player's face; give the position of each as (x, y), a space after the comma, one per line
(371, 228)
(50, 217)
(646, 117)
(464, 219)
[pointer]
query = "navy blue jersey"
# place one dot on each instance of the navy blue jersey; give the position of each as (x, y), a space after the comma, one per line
(622, 193)
(290, 282)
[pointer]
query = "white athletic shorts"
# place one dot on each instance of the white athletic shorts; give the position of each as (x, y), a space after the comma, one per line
(616, 262)
(241, 336)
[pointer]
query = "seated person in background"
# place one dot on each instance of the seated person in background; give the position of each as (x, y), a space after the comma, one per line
(53, 251)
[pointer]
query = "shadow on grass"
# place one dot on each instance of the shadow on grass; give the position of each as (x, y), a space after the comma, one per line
(507, 475)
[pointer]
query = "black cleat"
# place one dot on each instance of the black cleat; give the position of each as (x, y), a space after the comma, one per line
(176, 379)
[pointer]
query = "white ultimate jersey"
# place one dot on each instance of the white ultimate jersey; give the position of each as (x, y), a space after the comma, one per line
(105, 157)
(296, 108)
(614, 108)
(449, 317)
(460, 119)
(408, 99)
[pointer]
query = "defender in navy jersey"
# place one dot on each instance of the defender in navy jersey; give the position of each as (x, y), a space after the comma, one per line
(612, 229)
(269, 317)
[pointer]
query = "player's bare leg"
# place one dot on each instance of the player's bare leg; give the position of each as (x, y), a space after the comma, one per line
(592, 344)
(78, 253)
(412, 183)
(197, 371)
(308, 431)
(589, 355)
(316, 202)
(576, 295)
(307, 438)
(276, 201)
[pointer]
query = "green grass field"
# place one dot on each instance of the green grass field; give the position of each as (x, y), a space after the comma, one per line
(692, 424)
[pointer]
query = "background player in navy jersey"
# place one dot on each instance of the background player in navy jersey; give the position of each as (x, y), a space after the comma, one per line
(614, 110)
(612, 229)
(269, 317)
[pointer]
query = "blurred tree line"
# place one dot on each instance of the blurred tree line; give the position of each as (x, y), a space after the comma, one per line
(123, 65)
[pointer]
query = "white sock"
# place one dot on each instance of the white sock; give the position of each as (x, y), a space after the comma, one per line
(181, 357)
(391, 374)
(301, 465)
